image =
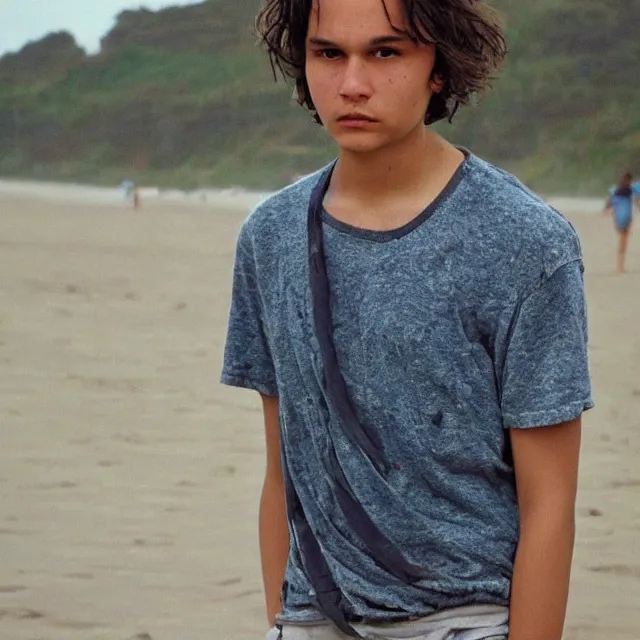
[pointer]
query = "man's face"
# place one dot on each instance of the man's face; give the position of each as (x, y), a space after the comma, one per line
(370, 85)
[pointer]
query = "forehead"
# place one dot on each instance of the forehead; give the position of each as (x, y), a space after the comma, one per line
(353, 20)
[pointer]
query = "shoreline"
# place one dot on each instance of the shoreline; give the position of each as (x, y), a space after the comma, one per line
(234, 198)
(231, 198)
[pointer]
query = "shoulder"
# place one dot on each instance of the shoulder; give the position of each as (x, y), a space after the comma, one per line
(281, 214)
(636, 188)
(516, 223)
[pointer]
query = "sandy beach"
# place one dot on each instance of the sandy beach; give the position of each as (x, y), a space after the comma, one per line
(130, 479)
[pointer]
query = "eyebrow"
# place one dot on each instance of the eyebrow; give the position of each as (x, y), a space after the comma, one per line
(375, 42)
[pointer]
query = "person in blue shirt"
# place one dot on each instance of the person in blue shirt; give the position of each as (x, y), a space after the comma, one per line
(414, 321)
(620, 205)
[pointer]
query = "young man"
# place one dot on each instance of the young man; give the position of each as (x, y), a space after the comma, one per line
(414, 320)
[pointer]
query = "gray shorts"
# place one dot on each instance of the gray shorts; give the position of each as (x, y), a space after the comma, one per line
(324, 632)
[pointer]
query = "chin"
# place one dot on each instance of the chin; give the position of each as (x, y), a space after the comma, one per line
(359, 143)
(359, 149)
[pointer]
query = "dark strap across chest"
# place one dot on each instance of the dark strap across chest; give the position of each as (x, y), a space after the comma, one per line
(328, 595)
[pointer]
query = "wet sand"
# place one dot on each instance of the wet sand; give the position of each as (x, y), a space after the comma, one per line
(129, 479)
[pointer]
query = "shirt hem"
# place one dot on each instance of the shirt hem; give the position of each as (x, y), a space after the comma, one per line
(309, 615)
(311, 618)
(547, 417)
(243, 382)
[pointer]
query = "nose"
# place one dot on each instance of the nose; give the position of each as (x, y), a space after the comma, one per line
(356, 84)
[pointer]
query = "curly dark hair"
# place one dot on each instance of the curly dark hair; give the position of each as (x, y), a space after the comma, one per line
(470, 46)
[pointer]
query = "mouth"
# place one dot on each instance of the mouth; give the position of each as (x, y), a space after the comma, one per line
(356, 120)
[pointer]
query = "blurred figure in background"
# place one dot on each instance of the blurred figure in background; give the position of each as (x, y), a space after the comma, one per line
(127, 187)
(620, 204)
(136, 198)
(131, 192)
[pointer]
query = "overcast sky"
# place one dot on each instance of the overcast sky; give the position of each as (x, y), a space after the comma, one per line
(88, 20)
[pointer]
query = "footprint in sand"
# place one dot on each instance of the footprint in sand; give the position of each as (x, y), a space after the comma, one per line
(20, 614)
(11, 589)
(226, 471)
(623, 570)
(620, 484)
(157, 542)
(229, 583)
(75, 625)
(65, 484)
(108, 463)
(14, 532)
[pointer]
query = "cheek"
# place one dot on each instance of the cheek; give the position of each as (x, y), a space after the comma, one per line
(320, 82)
(410, 90)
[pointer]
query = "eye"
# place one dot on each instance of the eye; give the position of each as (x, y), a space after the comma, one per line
(329, 54)
(386, 53)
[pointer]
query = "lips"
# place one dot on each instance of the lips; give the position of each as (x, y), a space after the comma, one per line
(356, 117)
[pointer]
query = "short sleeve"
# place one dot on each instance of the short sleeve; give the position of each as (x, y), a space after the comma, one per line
(247, 357)
(636, 189)
(545, 372)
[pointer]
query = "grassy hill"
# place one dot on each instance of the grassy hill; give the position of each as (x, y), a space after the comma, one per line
(184, 97)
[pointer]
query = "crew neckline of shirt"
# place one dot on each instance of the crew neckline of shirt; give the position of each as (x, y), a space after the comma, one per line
(412, 225)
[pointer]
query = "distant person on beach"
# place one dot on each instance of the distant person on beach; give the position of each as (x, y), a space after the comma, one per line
(620, 205)
(131, 192)
(127, 187)
(414, 321)
(136, 198)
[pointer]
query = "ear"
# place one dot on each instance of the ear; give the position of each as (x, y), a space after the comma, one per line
(437, 83)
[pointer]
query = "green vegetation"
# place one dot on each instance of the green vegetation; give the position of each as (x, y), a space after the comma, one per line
(184, 97)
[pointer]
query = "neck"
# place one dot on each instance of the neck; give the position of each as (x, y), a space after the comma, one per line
(404, 168)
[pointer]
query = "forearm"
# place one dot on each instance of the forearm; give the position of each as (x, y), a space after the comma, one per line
(540, 586)
(274, 543)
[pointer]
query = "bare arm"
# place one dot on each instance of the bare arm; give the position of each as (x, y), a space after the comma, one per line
(546, 467)
(274, 533)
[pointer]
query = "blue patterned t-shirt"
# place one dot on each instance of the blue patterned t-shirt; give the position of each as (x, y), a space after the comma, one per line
(466, 322)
